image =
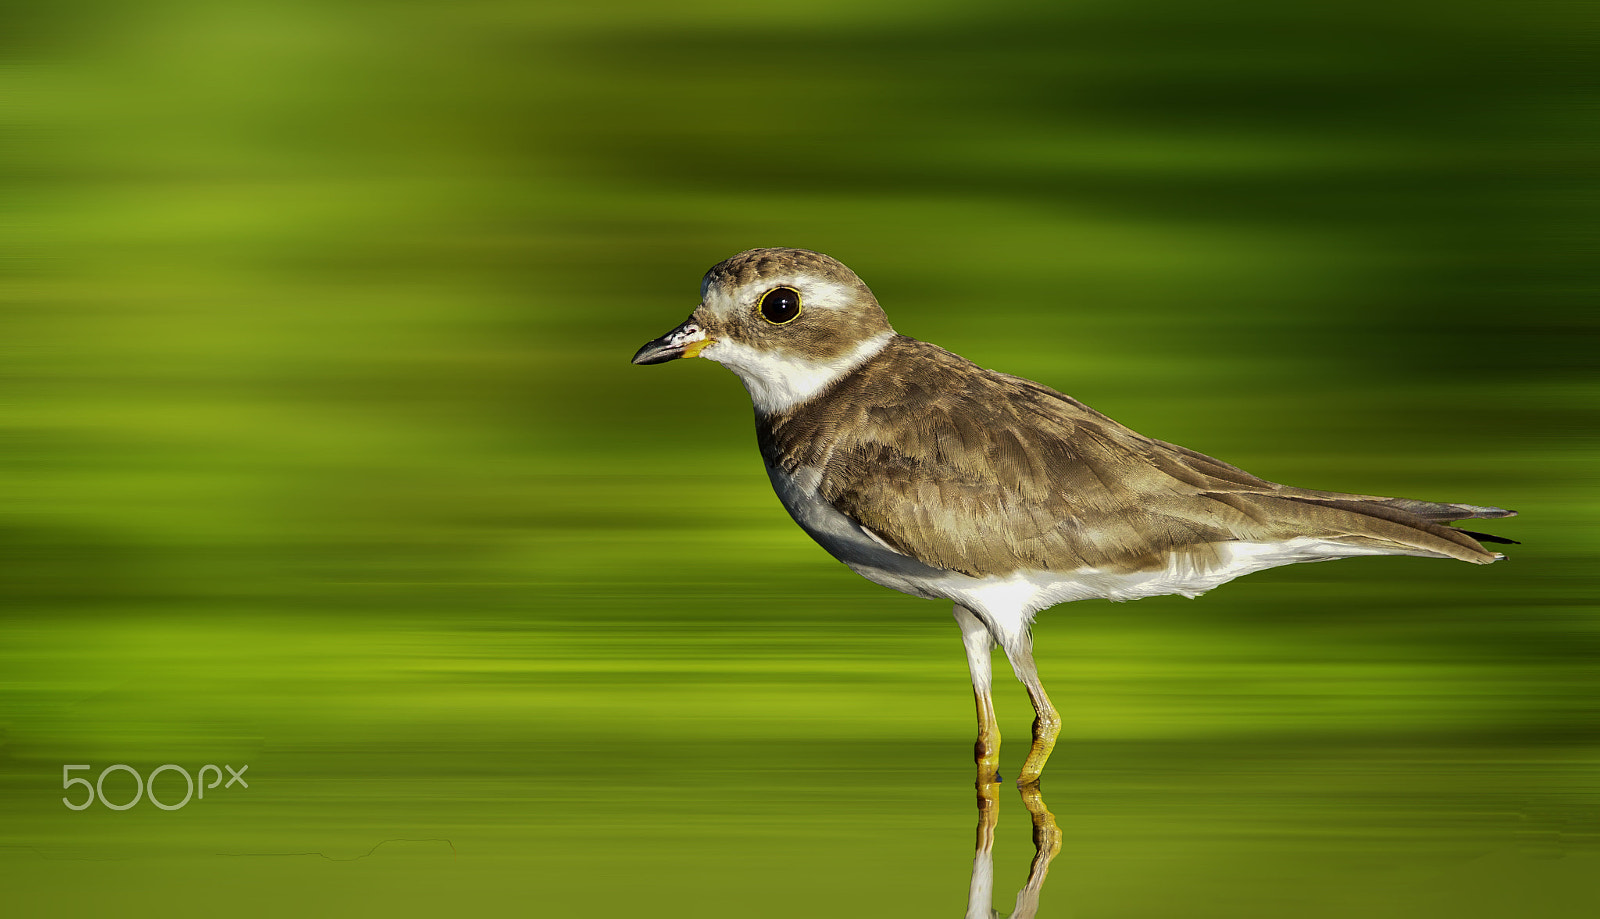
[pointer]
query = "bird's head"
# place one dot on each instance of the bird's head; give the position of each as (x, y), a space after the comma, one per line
(787, 321)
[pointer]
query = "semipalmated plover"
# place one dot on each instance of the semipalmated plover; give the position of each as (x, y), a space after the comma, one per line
(926, 473)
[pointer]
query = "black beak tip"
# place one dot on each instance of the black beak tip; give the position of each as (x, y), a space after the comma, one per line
(657, 352)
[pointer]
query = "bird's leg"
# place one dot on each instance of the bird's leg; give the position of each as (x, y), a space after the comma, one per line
(979, 642)
(1046, 723)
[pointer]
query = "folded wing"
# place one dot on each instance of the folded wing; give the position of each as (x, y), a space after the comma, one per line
(984, 473)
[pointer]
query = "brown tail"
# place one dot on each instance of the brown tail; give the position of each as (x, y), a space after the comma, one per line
(1426, 521)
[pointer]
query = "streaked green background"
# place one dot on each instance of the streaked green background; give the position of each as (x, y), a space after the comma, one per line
(323, 455)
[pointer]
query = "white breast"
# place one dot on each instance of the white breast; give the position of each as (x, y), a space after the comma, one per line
(847, 540)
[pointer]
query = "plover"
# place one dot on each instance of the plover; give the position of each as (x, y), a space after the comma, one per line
(928, 474)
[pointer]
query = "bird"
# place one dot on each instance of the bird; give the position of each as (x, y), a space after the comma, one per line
(927, 474)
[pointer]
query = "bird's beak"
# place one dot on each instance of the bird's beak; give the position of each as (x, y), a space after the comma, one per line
(687, 340)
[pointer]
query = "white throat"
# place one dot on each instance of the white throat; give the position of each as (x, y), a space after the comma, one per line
(778, 382)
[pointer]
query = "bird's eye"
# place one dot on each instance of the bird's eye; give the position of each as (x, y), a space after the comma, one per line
(780, 305)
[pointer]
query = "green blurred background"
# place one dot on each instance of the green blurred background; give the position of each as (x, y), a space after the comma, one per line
(323, 454)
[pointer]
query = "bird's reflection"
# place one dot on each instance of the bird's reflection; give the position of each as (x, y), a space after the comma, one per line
(1046, 843)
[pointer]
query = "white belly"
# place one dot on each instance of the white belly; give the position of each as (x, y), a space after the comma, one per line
(1009, 601)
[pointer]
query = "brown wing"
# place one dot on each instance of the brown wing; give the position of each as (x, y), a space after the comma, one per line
(983, 473)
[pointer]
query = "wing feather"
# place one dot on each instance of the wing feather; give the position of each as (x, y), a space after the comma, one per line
(983, 473)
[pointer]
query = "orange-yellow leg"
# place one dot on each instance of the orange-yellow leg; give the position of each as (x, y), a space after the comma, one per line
(1046, 722)
(986, 752)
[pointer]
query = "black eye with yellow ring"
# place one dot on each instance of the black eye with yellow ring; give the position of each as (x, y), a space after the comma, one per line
(780, 305)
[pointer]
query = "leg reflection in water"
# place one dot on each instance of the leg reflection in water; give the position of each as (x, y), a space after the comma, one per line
(1046, 843)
